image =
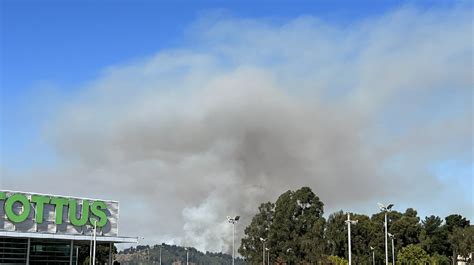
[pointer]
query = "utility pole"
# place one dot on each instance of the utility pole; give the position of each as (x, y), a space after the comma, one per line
(385, 209)
(233, 221)
(263, 250)
(393, 247)
(349, 222)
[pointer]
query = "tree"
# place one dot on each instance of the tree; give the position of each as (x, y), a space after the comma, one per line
(413, 254)
(462, 241)
(335, 260)
(361, 235)
(298, 225)
(251, 247)
(453, 223)
(335, 235)
(293, 226)
(377, 239)
(456, 220)
(433, 236)
(407, 229)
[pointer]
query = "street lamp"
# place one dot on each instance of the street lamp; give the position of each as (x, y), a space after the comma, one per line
(268, 255)
(373, 255)
(385, 209)
(349, 222)
(288, 251)
(92, 246)
(233, 221)
(161, 246)
(187, 256)
(393, 247)
(263, 249)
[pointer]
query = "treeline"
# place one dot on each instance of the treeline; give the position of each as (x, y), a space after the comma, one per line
(172, 254)
(295, 232)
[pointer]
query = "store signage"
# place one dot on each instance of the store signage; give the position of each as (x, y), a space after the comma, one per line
(21, 211)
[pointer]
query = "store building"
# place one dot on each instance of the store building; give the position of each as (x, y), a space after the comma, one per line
(50, 229)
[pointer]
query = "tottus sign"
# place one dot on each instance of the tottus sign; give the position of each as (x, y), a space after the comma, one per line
(33, 212)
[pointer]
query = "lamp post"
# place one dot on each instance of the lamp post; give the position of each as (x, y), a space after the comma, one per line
(233, 221)
(187, 256)
(161, 246)
(95, 241)
(349, 222)
(263, 250)
(288, 251)
(393, 247)
(268, 255)
(373, 255)
(385, 209)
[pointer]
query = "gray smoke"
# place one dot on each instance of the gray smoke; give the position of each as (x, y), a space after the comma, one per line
(188, 136)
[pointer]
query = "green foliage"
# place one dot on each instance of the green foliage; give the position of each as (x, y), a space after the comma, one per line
(293, 227)
(251, 246)
(456, 220)
(335, 260)
(297, 233)
(437, 259)
(336, 235)
(171, 254)
(413, 254)
(407, 229)
(433, 236)
(462, 241)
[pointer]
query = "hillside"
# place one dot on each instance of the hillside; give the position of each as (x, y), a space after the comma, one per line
(172, 255)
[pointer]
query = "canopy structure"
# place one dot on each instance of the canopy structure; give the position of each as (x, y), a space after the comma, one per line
(109, 239)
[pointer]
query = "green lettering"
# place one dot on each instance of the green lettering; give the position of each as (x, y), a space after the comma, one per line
(12, 216)
(39, 200)
(73, 212)
(3, 195)
(98, 209)
(59, 204)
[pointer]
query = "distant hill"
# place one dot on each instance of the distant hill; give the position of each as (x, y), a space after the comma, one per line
(172, 255)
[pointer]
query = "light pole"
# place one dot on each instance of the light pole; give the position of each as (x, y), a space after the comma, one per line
(288, 251)
(349, 222)
(187, 256)
(268, 255)
(393, 247)
(77, 255)
(233, 221)
(373, 255)
(95, 241)
(385, 209)
(161, 246)
(263, 250)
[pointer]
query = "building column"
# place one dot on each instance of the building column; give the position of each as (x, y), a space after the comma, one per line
(71, 252)
(110, 252)
(28, 246)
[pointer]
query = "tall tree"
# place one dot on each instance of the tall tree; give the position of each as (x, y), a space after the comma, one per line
(407, 229)
(413, 254)
(361, 235)
(336, 237)
(433, 236)
(297, 230)
(251, 247)
(377, 240)
(453, 223)
(462, 242)
(456, 220)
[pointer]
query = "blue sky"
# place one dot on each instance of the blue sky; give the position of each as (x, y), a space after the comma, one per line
(90, 88)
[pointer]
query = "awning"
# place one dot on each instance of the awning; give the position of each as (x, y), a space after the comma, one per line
(68, 237)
